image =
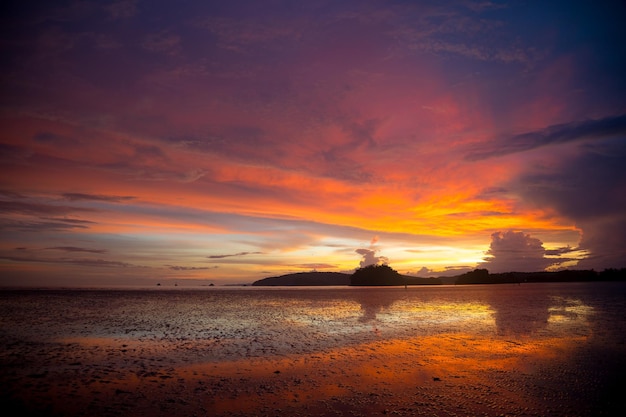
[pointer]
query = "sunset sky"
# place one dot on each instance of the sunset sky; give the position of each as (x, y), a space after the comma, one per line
(227, 141)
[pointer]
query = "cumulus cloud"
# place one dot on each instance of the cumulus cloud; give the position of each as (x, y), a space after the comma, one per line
(369, 255)
(515, 251)
(589, 190)
(424, 271)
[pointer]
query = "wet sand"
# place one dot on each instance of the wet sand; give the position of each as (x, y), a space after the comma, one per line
(566, 358)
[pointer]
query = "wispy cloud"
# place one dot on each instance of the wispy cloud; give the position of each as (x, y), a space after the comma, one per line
(556, 134)
(77, 222)
(36, 208)
(190, 268)
(316, 266)
(96, 197)
(76, 249)
(277, 137)
(233, 255)
(72, 261)
(38, 226)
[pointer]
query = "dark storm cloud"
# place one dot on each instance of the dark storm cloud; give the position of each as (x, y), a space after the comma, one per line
(515, 251)
(561, 133)
(591, 191)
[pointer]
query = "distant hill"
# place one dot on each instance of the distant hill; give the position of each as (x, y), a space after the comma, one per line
(336, 278)
(306, 279)
(409, 280)
(482, 276)
(474, 277)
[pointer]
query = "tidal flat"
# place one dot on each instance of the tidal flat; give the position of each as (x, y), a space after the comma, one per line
(480, 350)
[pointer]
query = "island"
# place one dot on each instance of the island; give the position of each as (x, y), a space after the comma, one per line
(306, 279)
(384, 275)
(372, 275)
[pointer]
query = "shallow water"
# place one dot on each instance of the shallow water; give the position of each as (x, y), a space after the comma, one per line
(548, 345)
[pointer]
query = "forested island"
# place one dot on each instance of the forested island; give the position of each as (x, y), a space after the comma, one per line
(384, 275)
(482, 276)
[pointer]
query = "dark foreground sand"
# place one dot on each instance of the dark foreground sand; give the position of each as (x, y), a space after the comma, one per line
(442, 374)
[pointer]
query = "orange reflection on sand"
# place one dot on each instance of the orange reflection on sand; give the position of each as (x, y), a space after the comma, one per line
(451, 353)
(372, 369)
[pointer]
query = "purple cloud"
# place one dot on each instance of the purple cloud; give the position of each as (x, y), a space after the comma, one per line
(234, 255)
(589, 129)
(76, 249)
(96, 197)
(589, 189)
(519, 252)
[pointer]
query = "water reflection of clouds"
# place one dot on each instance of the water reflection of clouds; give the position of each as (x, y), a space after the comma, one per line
(344, 315)
(510, 311)
(528, 313)
(566, 309)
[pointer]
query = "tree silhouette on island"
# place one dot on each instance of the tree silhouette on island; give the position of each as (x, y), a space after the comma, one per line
(383, 275)
(376, 275)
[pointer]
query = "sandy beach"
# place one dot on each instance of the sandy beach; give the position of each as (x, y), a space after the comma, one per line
(419, 352)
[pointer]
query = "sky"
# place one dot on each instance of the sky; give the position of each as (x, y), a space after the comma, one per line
(224, 142)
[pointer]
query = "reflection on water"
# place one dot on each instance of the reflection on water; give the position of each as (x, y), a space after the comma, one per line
(250, 319)
(210, 325)
(320, 343)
